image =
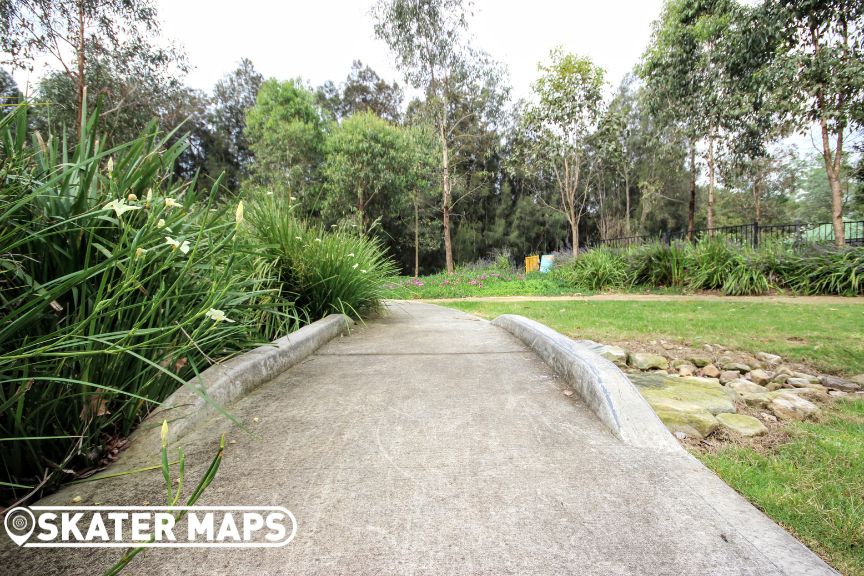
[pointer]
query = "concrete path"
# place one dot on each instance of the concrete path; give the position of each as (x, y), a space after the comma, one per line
(430, 442)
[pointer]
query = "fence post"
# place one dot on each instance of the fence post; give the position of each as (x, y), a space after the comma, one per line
(755, 234)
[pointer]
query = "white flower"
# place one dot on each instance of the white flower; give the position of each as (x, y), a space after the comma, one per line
(140, 252)
(332, 225)
(270, 193)
(110, 166)
(354, 267)
(175, 244)
(297, 238)
(160, 223)
(351, 255)
(317, 239)
(238, 214)
(171, 203)
(217, 315)
(149, 194)
(363, 271)
(132, 198)
(120, 207)
(293, 198)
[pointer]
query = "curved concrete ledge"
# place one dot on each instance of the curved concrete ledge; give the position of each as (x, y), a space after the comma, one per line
(225, 382)
(606, 390)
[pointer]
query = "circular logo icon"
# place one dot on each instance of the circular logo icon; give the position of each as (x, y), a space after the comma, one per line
(19, 523)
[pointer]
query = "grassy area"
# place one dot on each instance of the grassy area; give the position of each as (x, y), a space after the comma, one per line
(829, 337)
(813, 485)
(481, 282)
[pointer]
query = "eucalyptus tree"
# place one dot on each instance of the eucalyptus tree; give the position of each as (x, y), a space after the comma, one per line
(121, 34)
(286, 132)
(429, 39)
(362, 91)
(818, 74)
(553, 134)
(686, 76)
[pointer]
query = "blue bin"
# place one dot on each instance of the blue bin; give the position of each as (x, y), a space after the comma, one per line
(546, 263)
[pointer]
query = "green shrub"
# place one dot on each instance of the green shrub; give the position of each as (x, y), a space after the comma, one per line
(823, 270)
(744, 278)
(321, 272)
(113, 283)
(709, 264)
(597, 269)
(658, 264)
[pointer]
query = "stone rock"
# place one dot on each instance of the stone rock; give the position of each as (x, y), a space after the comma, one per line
(729, 375)
(814, 392)
(647, 361)
(784, 370)
(767, 417)
(756, 400)
(859, 379)
(837, 393)
(773, 385)
(710, 371)
(798, 382)
(742, 424)
(711, 400)
(737, 366)
(678, 362)
(614, 354)
(769, 358)
(746, 387)
(680, 435)
(699, 361)
(788, 406)
(806, 376)
(835, 383)
(693, 422)
(780, 378)
(686, 370)
(760, 376)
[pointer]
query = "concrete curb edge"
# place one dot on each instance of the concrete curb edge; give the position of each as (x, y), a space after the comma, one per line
(227, 381)
(603, 387)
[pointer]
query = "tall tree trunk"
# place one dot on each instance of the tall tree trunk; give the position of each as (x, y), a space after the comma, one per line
(361, 220)
(81, 61)
(416, 236)
(711, 181)
(832, 169)
(757, 193)
(691, 210)
(445, 185)
(627, 204)
(574, 231)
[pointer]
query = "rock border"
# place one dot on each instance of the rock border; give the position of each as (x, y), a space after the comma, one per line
(227, 381)
(605, 389)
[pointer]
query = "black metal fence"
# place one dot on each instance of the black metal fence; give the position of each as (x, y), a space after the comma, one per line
(754, 234)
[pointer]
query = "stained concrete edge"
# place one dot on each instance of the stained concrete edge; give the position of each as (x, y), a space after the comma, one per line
(227, 381)
(617, 403)
(600, 384)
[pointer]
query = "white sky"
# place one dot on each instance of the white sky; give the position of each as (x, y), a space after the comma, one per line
(319, 40)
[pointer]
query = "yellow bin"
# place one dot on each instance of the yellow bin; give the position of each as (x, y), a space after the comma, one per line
(532, 263)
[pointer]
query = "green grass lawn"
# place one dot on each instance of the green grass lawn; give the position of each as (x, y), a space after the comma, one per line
(829, 337)
(485, 282)
(813, 485)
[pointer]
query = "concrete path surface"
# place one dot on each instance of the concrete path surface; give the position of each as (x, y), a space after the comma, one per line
(431, 442)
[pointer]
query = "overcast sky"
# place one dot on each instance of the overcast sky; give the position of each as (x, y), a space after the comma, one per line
(319, 40)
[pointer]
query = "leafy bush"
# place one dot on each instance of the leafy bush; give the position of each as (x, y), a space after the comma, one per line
(597, 269)
(658, 264)
(709, 263)
(113, 284)
(337, 271)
